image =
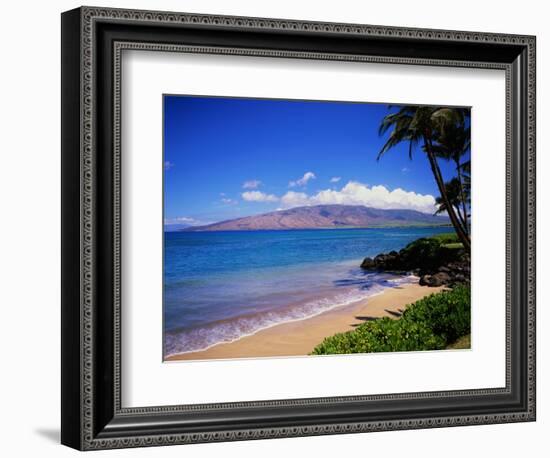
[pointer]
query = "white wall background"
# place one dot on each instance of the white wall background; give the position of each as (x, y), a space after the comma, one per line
(30, 212)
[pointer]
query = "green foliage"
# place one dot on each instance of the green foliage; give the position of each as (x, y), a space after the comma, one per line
(447, 237)
(426, 250)
(431, 323)
(446, 313)
(383, 335)
(429, 253)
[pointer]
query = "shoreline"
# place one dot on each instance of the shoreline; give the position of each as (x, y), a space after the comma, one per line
(299, 338)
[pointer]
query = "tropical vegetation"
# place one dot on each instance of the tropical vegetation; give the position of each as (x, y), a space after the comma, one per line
(440, 320)
(442, 133)
(435, 322)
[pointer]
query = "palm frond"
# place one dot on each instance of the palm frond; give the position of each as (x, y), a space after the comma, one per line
(390, 143)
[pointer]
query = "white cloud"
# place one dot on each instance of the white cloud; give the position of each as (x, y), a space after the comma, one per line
(182, 220)
(228, 201)
(335, 179)
(302, 181)
(258, 196)
(296, 199)
(252, 184)
(355, 193)
(168, 165)
(405, 170)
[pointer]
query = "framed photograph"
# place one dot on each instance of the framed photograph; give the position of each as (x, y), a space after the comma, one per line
(276, 228)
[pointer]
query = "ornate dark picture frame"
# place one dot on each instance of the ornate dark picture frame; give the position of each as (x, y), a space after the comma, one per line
(92, 42)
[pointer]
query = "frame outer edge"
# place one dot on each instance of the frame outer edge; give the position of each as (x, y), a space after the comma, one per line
(88, 197)
(85, 323)
(532, 224)
(296, 25)
(71, 324)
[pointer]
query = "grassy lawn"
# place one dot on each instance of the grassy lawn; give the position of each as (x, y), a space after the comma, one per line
(448, 240)
(461, 343)
(446, 237)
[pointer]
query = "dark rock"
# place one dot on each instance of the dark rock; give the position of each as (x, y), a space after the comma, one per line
(444, 269)
(459, 278)
(368, 263)
(439, 279)
(425, 280)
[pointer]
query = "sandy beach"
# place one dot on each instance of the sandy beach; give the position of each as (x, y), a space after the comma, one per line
(298, 338)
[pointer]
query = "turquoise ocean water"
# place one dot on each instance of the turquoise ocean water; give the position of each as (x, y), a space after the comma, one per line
(220, 286)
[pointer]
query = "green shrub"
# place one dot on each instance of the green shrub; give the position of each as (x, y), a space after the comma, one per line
(383, 335)
(446, 313)
(429, 324)
(429, 253)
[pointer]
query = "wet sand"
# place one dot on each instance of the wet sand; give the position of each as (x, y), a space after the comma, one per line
(299, 338)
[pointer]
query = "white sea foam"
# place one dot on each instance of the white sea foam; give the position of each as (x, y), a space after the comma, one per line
(230, 330)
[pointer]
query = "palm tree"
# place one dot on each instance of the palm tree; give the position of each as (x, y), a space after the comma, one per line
(453, 142)
(456, 195)
(414, 125)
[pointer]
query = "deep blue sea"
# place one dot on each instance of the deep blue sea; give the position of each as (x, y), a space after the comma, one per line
(221, 286)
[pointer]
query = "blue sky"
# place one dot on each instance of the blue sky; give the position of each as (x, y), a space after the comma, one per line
(228, 157)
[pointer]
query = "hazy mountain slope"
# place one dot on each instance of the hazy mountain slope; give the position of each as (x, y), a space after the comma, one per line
(325, 216)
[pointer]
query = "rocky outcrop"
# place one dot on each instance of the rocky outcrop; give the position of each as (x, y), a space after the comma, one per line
(390, 261)
(435, 264)
(451, 274)
(438, 279)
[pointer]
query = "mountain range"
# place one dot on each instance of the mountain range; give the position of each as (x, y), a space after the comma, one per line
(326, 217)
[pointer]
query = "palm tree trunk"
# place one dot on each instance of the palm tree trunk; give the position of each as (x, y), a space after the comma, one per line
(463, 237)
(461, 218)
(462, 198)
